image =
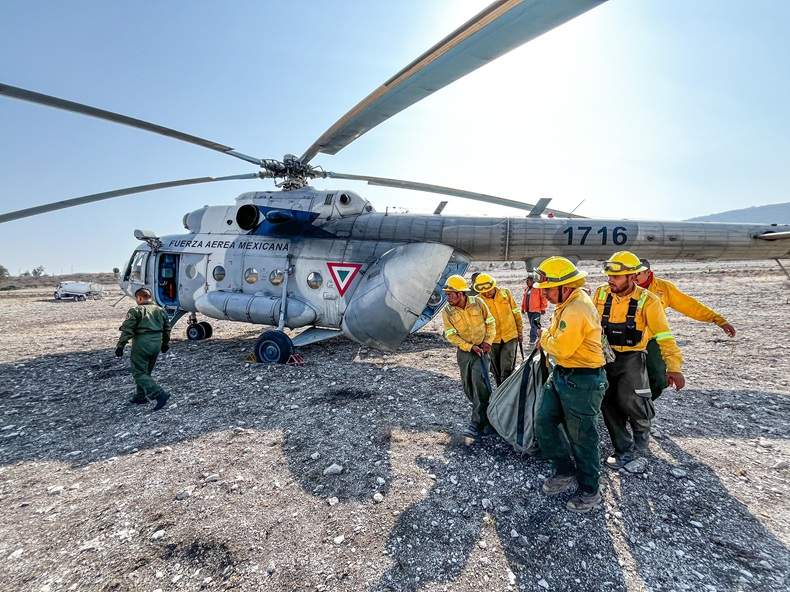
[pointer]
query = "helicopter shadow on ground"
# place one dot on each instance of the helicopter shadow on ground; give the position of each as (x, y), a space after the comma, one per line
(72, 408)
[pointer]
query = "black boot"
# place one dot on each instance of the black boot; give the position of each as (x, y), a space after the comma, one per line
(161, 399)
(471, 434)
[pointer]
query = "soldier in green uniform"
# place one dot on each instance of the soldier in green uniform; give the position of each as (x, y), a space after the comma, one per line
(148, 327)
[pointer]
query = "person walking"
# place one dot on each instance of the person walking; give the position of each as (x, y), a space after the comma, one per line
(575, 388)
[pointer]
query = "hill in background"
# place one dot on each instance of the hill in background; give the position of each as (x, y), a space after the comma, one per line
(770, 214)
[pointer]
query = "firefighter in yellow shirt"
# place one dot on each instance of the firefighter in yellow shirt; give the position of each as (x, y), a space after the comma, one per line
(630, 317)
(470, 327)
(509, 325)
(672, 297)
(573, 393)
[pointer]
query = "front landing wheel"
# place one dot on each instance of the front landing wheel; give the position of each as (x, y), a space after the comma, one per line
(196, 332)
(273, 347)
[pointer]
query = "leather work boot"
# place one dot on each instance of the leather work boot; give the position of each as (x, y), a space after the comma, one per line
(584, 502)
(618, 461)
(559, 484)
(161, 399)
(471, 434)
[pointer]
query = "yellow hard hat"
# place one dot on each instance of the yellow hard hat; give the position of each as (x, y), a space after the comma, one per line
(456, 283)
(557, 271)
(623, 263)
(484, 283)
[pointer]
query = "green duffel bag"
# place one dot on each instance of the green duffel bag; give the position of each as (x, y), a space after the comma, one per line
(514, 404)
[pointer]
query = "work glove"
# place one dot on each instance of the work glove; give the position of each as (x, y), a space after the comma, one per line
(165, 347)
(118, 352)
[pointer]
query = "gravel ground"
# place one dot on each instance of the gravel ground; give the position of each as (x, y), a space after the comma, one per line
(227, 487)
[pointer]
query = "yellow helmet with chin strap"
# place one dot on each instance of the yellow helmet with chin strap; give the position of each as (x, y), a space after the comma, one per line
(623, 263)
(483, 283)
(557, 271)
(456, 283)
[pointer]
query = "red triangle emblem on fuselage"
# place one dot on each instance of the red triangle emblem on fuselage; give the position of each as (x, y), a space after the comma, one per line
(343, 274)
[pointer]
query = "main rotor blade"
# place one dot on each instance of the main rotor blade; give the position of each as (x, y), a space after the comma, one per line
(414, 186)
(41, 99)
(502, 26)
(78, 201)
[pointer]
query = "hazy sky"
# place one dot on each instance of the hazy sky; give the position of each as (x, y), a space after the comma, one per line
(646, 109)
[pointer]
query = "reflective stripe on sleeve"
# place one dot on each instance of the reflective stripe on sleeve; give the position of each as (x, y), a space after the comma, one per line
(516, 310)
(642, 391)
(642, 299)
(664, 335)
(602, 294)
(489, 320)
(450, 332)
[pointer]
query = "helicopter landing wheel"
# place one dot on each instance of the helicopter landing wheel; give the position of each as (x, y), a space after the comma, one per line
(273, 347)
(196, 332)
(207, 329)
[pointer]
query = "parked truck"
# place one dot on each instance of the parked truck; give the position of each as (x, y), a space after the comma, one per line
(78, 291)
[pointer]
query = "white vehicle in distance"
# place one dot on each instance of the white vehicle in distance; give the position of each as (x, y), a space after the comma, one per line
(78, 291)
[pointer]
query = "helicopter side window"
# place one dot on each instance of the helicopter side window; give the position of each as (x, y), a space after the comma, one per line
(136, 271)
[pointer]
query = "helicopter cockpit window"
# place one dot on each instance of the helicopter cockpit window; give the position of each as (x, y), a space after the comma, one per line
(137, 267)
(218, 273)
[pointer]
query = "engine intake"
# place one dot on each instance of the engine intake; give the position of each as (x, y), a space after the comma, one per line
(248, 217)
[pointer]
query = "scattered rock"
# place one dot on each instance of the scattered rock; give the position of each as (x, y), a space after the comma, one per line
(380, 481)
(157, 535)
(315, 455)
(638, 465)
(678, 473)
(339, 539)
(332, 501)
(378, 498)
(16, 554)
(486, 503)
(333, 469)
(185, 493)
(780, 465)
(55, 490)
(695, 524)
(212, 478)
(270, 568)
(543, 584)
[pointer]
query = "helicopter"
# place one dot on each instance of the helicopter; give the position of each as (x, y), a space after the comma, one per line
(326, 260)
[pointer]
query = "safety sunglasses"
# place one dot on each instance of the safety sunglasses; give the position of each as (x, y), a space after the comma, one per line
(616, 266)
(484, 287)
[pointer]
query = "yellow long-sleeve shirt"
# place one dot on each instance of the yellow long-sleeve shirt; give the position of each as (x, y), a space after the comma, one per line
(650, 319)
(507, 314)
(574, 336)
(673, 297)
(469, 326)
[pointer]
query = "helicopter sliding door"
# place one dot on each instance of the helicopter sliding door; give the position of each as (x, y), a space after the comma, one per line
(192, 279)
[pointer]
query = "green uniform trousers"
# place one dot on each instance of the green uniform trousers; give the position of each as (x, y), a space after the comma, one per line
(628, 400)
(503, 359)
(475, 387)
(572, 399)
(145, 350)
(656, 369)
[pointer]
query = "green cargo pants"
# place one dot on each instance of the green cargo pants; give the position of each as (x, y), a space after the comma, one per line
(503, 359)
(145, 350)
(572, 399)
(475, 387)
(628, 400)
(656, 369)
